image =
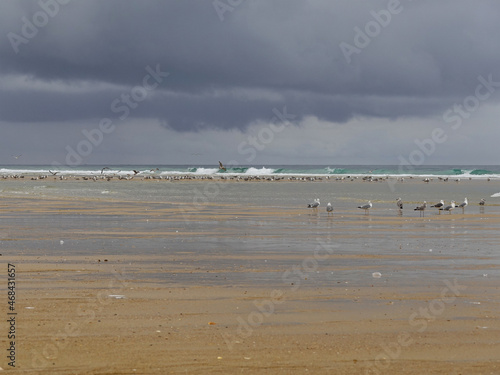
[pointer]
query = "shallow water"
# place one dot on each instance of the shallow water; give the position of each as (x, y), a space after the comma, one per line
(267, 221)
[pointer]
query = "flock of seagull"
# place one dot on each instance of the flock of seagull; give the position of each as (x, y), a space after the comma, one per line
(441, 206)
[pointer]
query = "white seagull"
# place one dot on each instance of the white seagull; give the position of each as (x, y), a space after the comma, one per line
(450, 207)
(366, 207)
(329, 208)
(439, 205)
(421, 208)
(314, 205)
(463, 205)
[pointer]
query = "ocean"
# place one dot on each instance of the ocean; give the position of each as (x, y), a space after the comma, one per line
(456, 171)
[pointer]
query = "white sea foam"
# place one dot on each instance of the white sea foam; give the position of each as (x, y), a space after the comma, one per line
(259, 172)
(206, 171)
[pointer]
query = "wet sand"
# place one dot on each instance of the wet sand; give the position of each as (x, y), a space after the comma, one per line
(141, 287)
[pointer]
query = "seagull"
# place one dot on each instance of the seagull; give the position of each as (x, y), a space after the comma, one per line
(366, 207)
(102, 170)
(463, 205)
(399, 203)
(329, 208)
(53, 173)
(314, 205)
(439, 205)
(482, 201)
(17, 157)
(450, 207)
(221, 166)
(421, 208)
(135, 172)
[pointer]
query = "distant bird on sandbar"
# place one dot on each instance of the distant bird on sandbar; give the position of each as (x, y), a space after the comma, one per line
(399, 203)
(221, 167)
(366, 207)
(463, 205)
(421, 208)
(482, 202)
(329, 208)
(450, 207)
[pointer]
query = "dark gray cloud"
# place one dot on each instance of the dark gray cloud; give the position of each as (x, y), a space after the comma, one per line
(231, 73)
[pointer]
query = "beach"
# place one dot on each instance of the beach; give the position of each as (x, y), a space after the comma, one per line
(228, 276)
(249, 187)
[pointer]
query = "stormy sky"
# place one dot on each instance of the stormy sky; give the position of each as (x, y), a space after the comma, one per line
(249, 81)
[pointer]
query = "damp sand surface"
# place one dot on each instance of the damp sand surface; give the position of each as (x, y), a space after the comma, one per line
(126, 283)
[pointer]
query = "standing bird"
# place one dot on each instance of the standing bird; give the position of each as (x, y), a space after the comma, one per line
(314, 205)
(399, 203)
(439, 205)
(450, 207)
(421, 208)
(482, 201)
(329, 208)
(463, 205)
(366, 207)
